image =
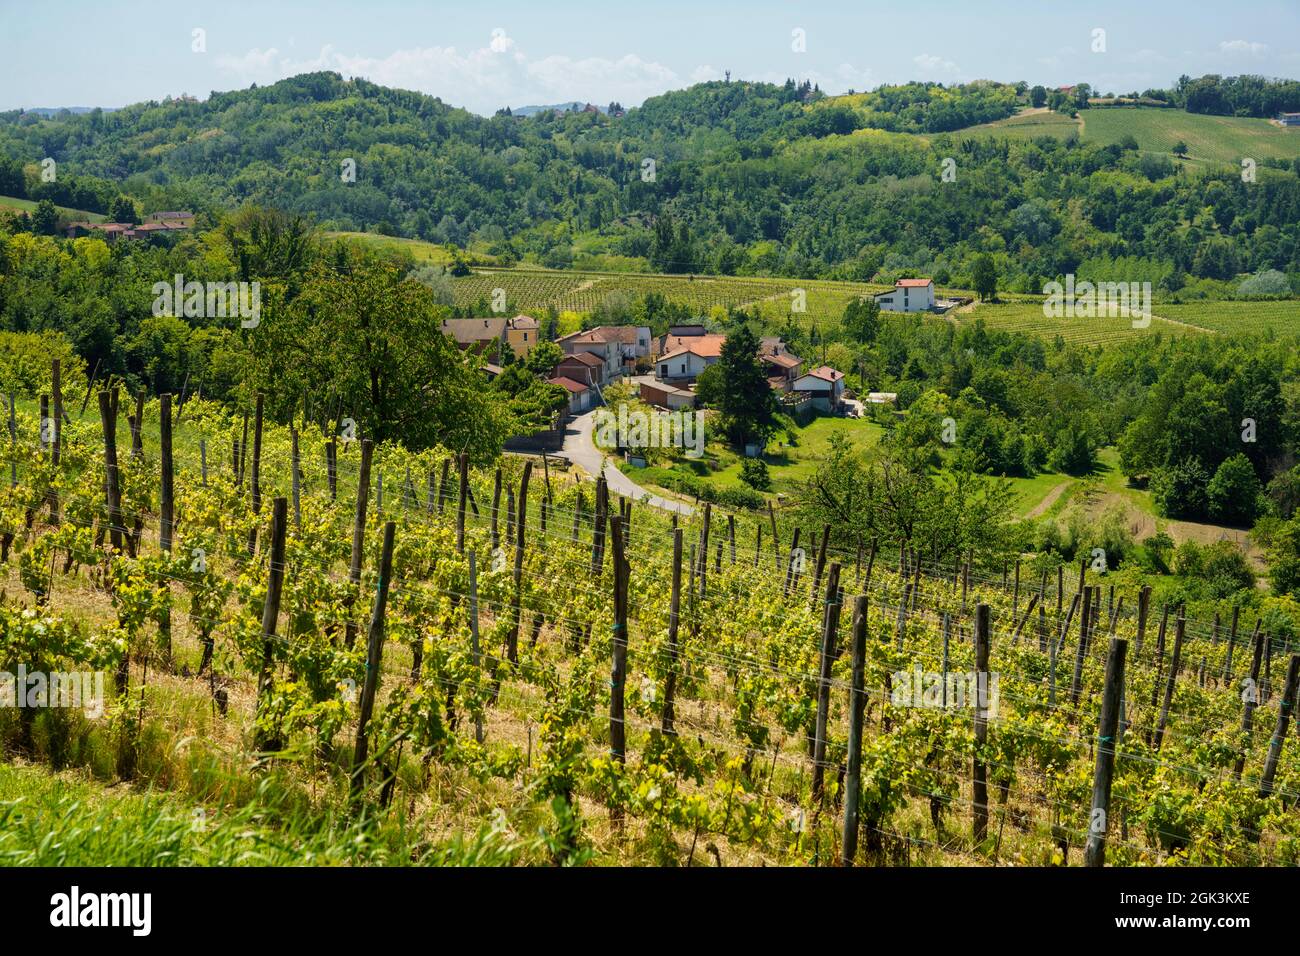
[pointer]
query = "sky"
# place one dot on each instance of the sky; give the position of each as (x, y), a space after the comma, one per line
(486, 55)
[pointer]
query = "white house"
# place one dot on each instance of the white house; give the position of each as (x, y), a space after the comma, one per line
(824, 385)
(908, 295)
(579, 394)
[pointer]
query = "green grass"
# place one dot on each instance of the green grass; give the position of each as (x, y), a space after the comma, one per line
(1026, 126)
(1212, 139)
(28, 205)
(1209, 139)
(1282, 317)
(1028, 319)
(420, 250)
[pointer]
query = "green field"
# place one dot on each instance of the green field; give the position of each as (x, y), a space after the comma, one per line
(582, 291)
(27, 205)
(1209, 139)
(1213, 139)
(1026, 125)
(1282, 317)
(1028, 319)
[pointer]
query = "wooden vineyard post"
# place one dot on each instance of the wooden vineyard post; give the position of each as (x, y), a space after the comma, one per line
(113, 488)
(56, 395)
(1095, 852)
(577, 518)
(758, 540)
(598, 527)
(618, 669)
(1060, 590)
(270, 617)
(243, 454)
(704, 551)
(789, 571)
(166, 509)
(979, 773)
(496, 511)
(821, 566)
(965, 585)
(857, 699)
(374, 657)
(1085, 610)
(512, 647)
(674, 616)
(332, 468)
(442, 484)
(871, 561)
(1144, 609)
(1285, 706)
(359, 533)
(829, 621)
(166, 501)
(1232, 640)
(776, 540)
(731, 532)
(463, 493)
(296, 477)
(473, 633)
(1250, 699)
(257, 472)
(1180, 626)
(1015, 594)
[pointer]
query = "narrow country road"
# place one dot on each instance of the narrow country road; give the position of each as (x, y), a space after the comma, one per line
(580, 448)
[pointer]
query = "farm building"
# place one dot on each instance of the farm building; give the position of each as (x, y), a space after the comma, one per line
(618, 346)
(485, 335)
(824, 385)
(580, 395)
(908, 295)
(667, 396)
(1289, 119)
(582, 367)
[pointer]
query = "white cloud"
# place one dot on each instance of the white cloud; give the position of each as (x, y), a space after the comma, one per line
(484, 79)
(1242, 47)
(933, 65)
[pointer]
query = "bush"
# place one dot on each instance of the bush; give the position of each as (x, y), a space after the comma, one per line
(1232, 495)
(706, 491)
(753, 472)
(1179, 491)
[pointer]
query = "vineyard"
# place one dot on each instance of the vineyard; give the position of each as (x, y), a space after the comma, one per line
(1027, 318)
(378, 636)
(583, 292)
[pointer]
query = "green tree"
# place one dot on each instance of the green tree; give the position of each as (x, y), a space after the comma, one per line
(45, 218)
(1037, 97)
(1233, 493)
(984, 276)
(862, 320)
(1178, 491)
(542, 358)
(123, 209)
(747, 404)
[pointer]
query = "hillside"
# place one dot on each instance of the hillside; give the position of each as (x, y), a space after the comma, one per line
(734, 178)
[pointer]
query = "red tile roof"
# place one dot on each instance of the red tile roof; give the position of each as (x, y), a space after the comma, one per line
(568, 384)
(584, 358)
(781, 361)
(826, 374)
(705, 346)
(913, 283)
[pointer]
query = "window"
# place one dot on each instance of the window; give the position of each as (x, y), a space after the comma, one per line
(525, 336)
(683, 368)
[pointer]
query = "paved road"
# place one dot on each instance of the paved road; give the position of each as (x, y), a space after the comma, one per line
(580, 449)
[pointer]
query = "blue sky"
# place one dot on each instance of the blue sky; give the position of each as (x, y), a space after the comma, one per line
(483, 55)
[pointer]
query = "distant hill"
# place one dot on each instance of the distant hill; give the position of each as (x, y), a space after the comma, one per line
(49, 111)
(736, 177)
(574, 107)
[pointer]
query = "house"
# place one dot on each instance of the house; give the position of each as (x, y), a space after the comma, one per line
(684, 357)
(521, 333)
(579, 394)
(485, 335)
(619, 346)
(782, 367)
(479, 334)
(1289, 119)
(173, 220)
(908, 295)
(582, 367)
(667, 396)
(824, 385)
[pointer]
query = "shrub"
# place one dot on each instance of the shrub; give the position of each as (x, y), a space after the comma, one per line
(753, 472)
(1232, 495)
(1179, 491)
